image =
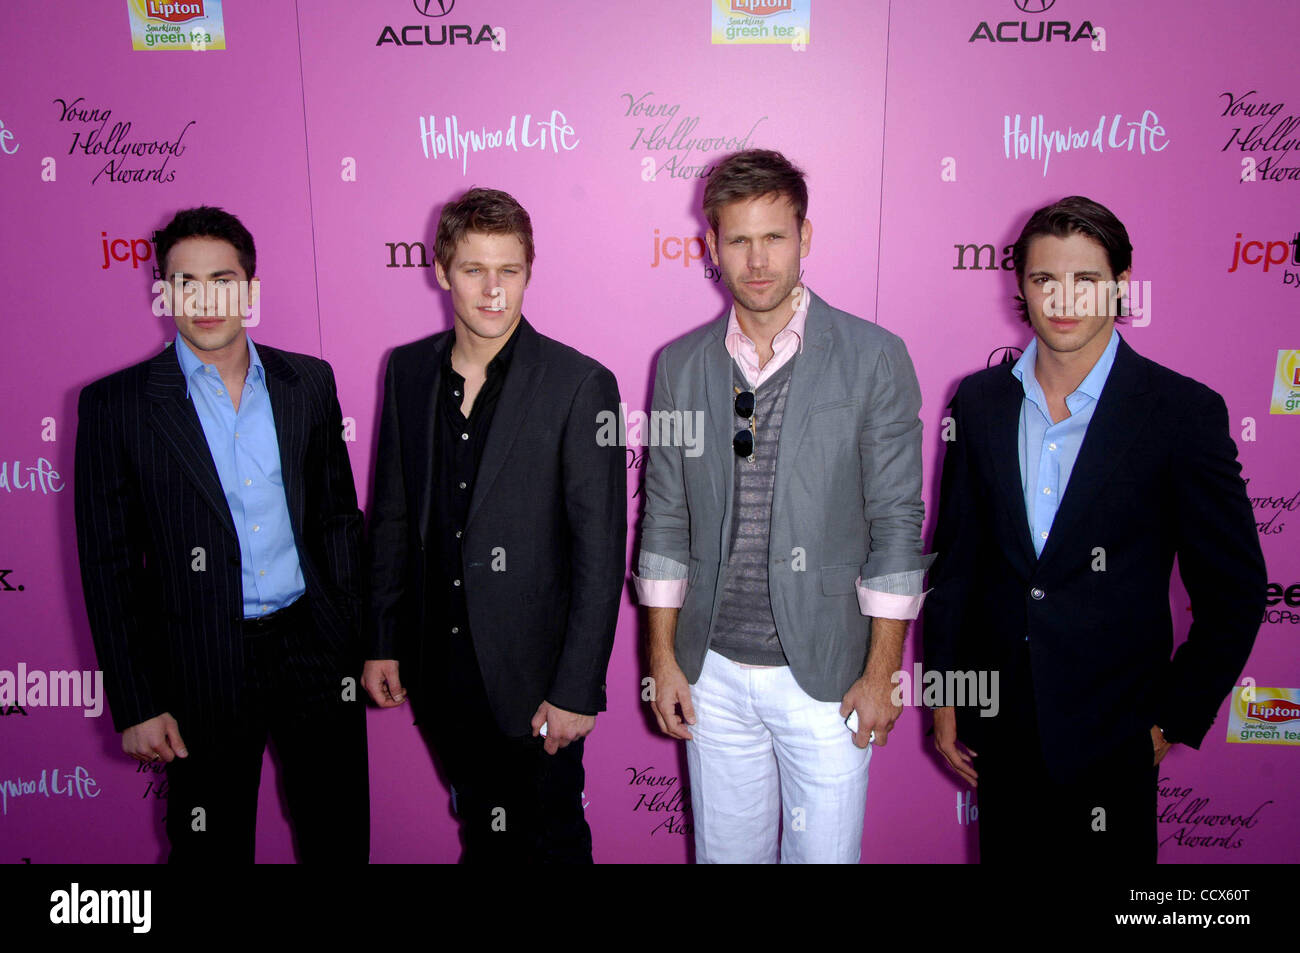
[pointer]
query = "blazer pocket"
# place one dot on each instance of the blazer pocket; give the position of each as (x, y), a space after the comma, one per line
(840, 580)
(836, 405)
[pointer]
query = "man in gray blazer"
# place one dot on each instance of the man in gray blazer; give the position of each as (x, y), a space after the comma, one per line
(782, 564)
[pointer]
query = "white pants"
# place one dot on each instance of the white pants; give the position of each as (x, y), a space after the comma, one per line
(761, 749)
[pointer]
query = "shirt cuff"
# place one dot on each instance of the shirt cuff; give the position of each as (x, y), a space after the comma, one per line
(660, 581)
(896, 595)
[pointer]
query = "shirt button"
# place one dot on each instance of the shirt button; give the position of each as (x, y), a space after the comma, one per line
(263, 608)
(1047, 490)
(219, 392)
(1037, 593)
(1051, 446)
(236, 434)
(464, 436)
(257, 527)
(248, 483)
(261, 572)
(1043, 534)
(462, 484)
(455, 582)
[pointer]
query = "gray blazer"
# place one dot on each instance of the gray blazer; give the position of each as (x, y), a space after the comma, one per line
(846, 504)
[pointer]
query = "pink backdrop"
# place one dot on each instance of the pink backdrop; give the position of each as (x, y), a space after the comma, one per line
(310, 131)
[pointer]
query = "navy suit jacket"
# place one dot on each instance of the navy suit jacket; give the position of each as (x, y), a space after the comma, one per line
(1157, 477)
(167, 619)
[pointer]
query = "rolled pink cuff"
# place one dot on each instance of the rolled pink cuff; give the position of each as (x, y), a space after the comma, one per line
(660, 593)
(887, 605)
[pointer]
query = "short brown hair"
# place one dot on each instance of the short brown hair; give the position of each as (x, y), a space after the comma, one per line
(1074, 215)
(750, 175)
(490, 211)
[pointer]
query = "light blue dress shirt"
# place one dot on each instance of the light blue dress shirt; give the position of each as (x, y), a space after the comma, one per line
(247, 454)
(1048, 451)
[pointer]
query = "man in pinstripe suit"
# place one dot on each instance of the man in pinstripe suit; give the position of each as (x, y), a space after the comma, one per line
(219, 537)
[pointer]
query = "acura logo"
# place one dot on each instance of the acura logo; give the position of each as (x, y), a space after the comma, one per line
(1025, 6)
(440, 8)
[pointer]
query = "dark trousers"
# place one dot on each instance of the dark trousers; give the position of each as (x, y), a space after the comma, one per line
(516, 804)
(1108, 816)
(321, 742)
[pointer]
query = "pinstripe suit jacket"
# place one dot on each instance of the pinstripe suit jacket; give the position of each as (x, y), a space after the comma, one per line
(165, 617)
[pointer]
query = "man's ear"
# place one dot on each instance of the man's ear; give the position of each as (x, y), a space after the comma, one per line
(441, 274)
(711, 239)
(805, 238)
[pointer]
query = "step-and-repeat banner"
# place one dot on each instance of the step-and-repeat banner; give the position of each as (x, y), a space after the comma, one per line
(929, 130)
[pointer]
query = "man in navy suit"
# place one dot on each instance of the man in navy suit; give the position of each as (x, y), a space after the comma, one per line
(219, 537)
(1075, 478)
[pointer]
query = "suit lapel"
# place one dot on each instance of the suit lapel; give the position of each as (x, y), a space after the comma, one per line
(1004, 443)
(291, 427)
(809, 369)
(523, 380)
(1118, 418)
(424, 390)
(723, 422)
(177, 425)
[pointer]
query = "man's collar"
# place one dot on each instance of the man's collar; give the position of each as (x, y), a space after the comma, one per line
(796, 325)
(1091, 385)
(191, 363)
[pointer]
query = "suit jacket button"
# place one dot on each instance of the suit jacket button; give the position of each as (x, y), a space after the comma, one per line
(1037, 593)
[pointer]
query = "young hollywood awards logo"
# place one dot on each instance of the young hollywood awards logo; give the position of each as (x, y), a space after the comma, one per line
(130, 158)
(1266, 135)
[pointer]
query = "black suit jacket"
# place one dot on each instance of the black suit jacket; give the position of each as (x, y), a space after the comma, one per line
(168, 633)
(1157, 477)
(546, 493)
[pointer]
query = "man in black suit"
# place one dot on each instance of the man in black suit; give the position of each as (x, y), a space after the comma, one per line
(497, 545)
(220, 540)
(1072, 482)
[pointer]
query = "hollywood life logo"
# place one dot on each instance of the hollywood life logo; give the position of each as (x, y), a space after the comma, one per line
(93, 137)
(675, 137)
(1035, 140)
(76, 784)
(77, 906)
(553, 135)
(1033, 31)
(968, 810)
(39, 476)
(1262, 126)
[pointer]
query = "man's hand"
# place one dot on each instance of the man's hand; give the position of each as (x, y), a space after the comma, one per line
(945, 741)
(872, 700)
(380, 679)
(670, 690)
(1159, 744)
(159, 737)
(562, 727)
